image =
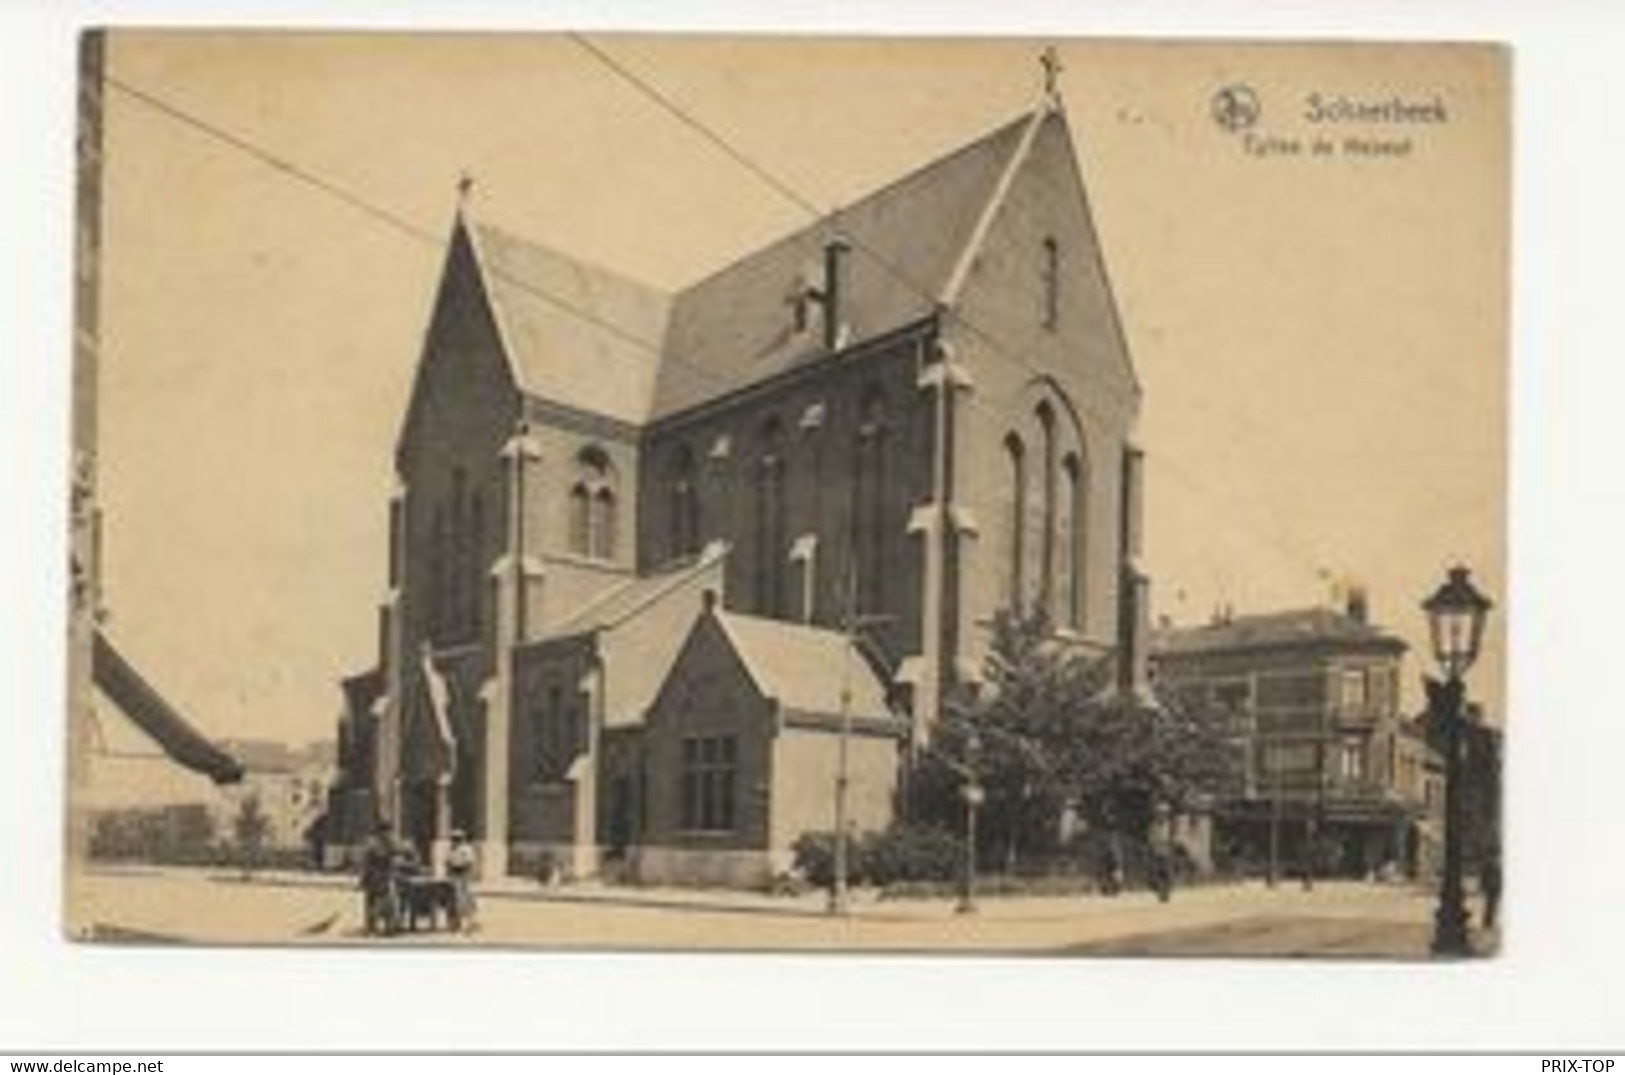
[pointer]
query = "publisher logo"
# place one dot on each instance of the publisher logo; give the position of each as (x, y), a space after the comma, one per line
(1235, 107)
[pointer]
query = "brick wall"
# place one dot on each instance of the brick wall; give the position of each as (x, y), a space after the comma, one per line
(820, 465)
(1080, 367)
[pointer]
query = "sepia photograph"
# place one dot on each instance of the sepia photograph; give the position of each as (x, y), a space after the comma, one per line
(637, 492)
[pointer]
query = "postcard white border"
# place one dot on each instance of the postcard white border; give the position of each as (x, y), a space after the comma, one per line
(1557, 983)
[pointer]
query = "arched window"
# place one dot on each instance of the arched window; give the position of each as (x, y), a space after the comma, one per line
(602, 544)
(684, 524)
(1051, 271)
(771, 520)
(1075, 535)
(869, 507)
(1016, 457)
(457, 569)
(593, 522)
(1047, 535)
(475, 585)
(439, 576)
(580, 521)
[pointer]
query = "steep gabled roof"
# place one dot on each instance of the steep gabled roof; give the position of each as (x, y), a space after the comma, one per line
(804, 668)
(622, 603)
(638, 628)
(616, 347)
(575, 333)
(1270, 630)
(734, 327)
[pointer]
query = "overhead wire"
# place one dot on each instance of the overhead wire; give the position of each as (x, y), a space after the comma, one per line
(344, 194)
(789, 192)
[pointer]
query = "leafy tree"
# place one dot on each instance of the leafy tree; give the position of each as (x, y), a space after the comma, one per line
(1048, 732)
(251, 827)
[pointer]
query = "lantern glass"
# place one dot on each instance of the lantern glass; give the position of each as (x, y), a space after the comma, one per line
(1456, 615)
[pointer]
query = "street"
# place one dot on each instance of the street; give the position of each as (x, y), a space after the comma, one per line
(1336, 919)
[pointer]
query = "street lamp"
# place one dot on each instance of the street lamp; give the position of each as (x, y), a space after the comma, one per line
(973, 794)
(1456, 613)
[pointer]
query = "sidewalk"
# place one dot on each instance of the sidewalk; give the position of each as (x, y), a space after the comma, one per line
(218, 906)
(1334, 898)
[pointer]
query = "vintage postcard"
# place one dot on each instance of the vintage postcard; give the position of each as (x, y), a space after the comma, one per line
(639, 492)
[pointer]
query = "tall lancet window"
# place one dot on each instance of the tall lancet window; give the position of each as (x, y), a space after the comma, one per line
(1047, 535)
(580, 501)
(593, 505)
(684, 532)
(1051, 270)
(772, 552)
(476, 566)
(1016, 461)
(869, 493)
(1076, 536)
(603, 524)
(457, 569)
(439, 574)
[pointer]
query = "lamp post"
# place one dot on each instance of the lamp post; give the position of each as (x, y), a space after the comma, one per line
(1456, 613)
(973, 794)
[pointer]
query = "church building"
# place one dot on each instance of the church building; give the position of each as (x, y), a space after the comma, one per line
(663, 567)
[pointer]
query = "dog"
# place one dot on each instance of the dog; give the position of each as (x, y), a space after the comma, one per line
(428, 899)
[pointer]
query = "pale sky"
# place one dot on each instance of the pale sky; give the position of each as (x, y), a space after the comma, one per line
(1321, 340)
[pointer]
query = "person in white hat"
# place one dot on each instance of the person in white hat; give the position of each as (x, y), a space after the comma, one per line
(460, 867)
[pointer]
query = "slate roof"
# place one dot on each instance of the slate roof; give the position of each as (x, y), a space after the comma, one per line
(622, 603)
(604, 362)
(640, 354)
(640, 627)
(803, 667)
(1270, 630)
(735, 323)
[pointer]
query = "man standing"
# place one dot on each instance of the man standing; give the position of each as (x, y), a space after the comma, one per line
(1489, 883)
(378, 881)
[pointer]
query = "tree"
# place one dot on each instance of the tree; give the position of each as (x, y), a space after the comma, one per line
(1048, 733)
(251, 826)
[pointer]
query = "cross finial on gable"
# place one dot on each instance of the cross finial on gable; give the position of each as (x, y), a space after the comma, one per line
(1050, 60)
(465, 187)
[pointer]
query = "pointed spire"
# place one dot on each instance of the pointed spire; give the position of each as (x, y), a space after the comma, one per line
(1050, 61)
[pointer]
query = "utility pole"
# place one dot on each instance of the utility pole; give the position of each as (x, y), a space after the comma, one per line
(839, 900)
(1273, 757)
(84, 538)
(852, 624)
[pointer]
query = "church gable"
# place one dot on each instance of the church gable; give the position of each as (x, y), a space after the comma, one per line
(1036, 281)
(707, 682)
(463, 390)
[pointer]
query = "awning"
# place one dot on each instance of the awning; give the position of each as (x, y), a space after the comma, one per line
(142, 703)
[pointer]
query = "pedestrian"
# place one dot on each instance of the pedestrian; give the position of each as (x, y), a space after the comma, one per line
(460, 868)
(1110, 867)
(1160, 865)
(1489, 883)
(378, 882)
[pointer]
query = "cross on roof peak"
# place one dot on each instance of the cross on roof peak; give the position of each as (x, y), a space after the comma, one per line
(1050, 61)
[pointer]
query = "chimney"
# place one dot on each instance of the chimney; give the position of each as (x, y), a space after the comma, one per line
(1359, 607)
(832, 296)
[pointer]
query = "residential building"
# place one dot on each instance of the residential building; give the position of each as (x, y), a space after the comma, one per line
(290, 785)
(1324, 769)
